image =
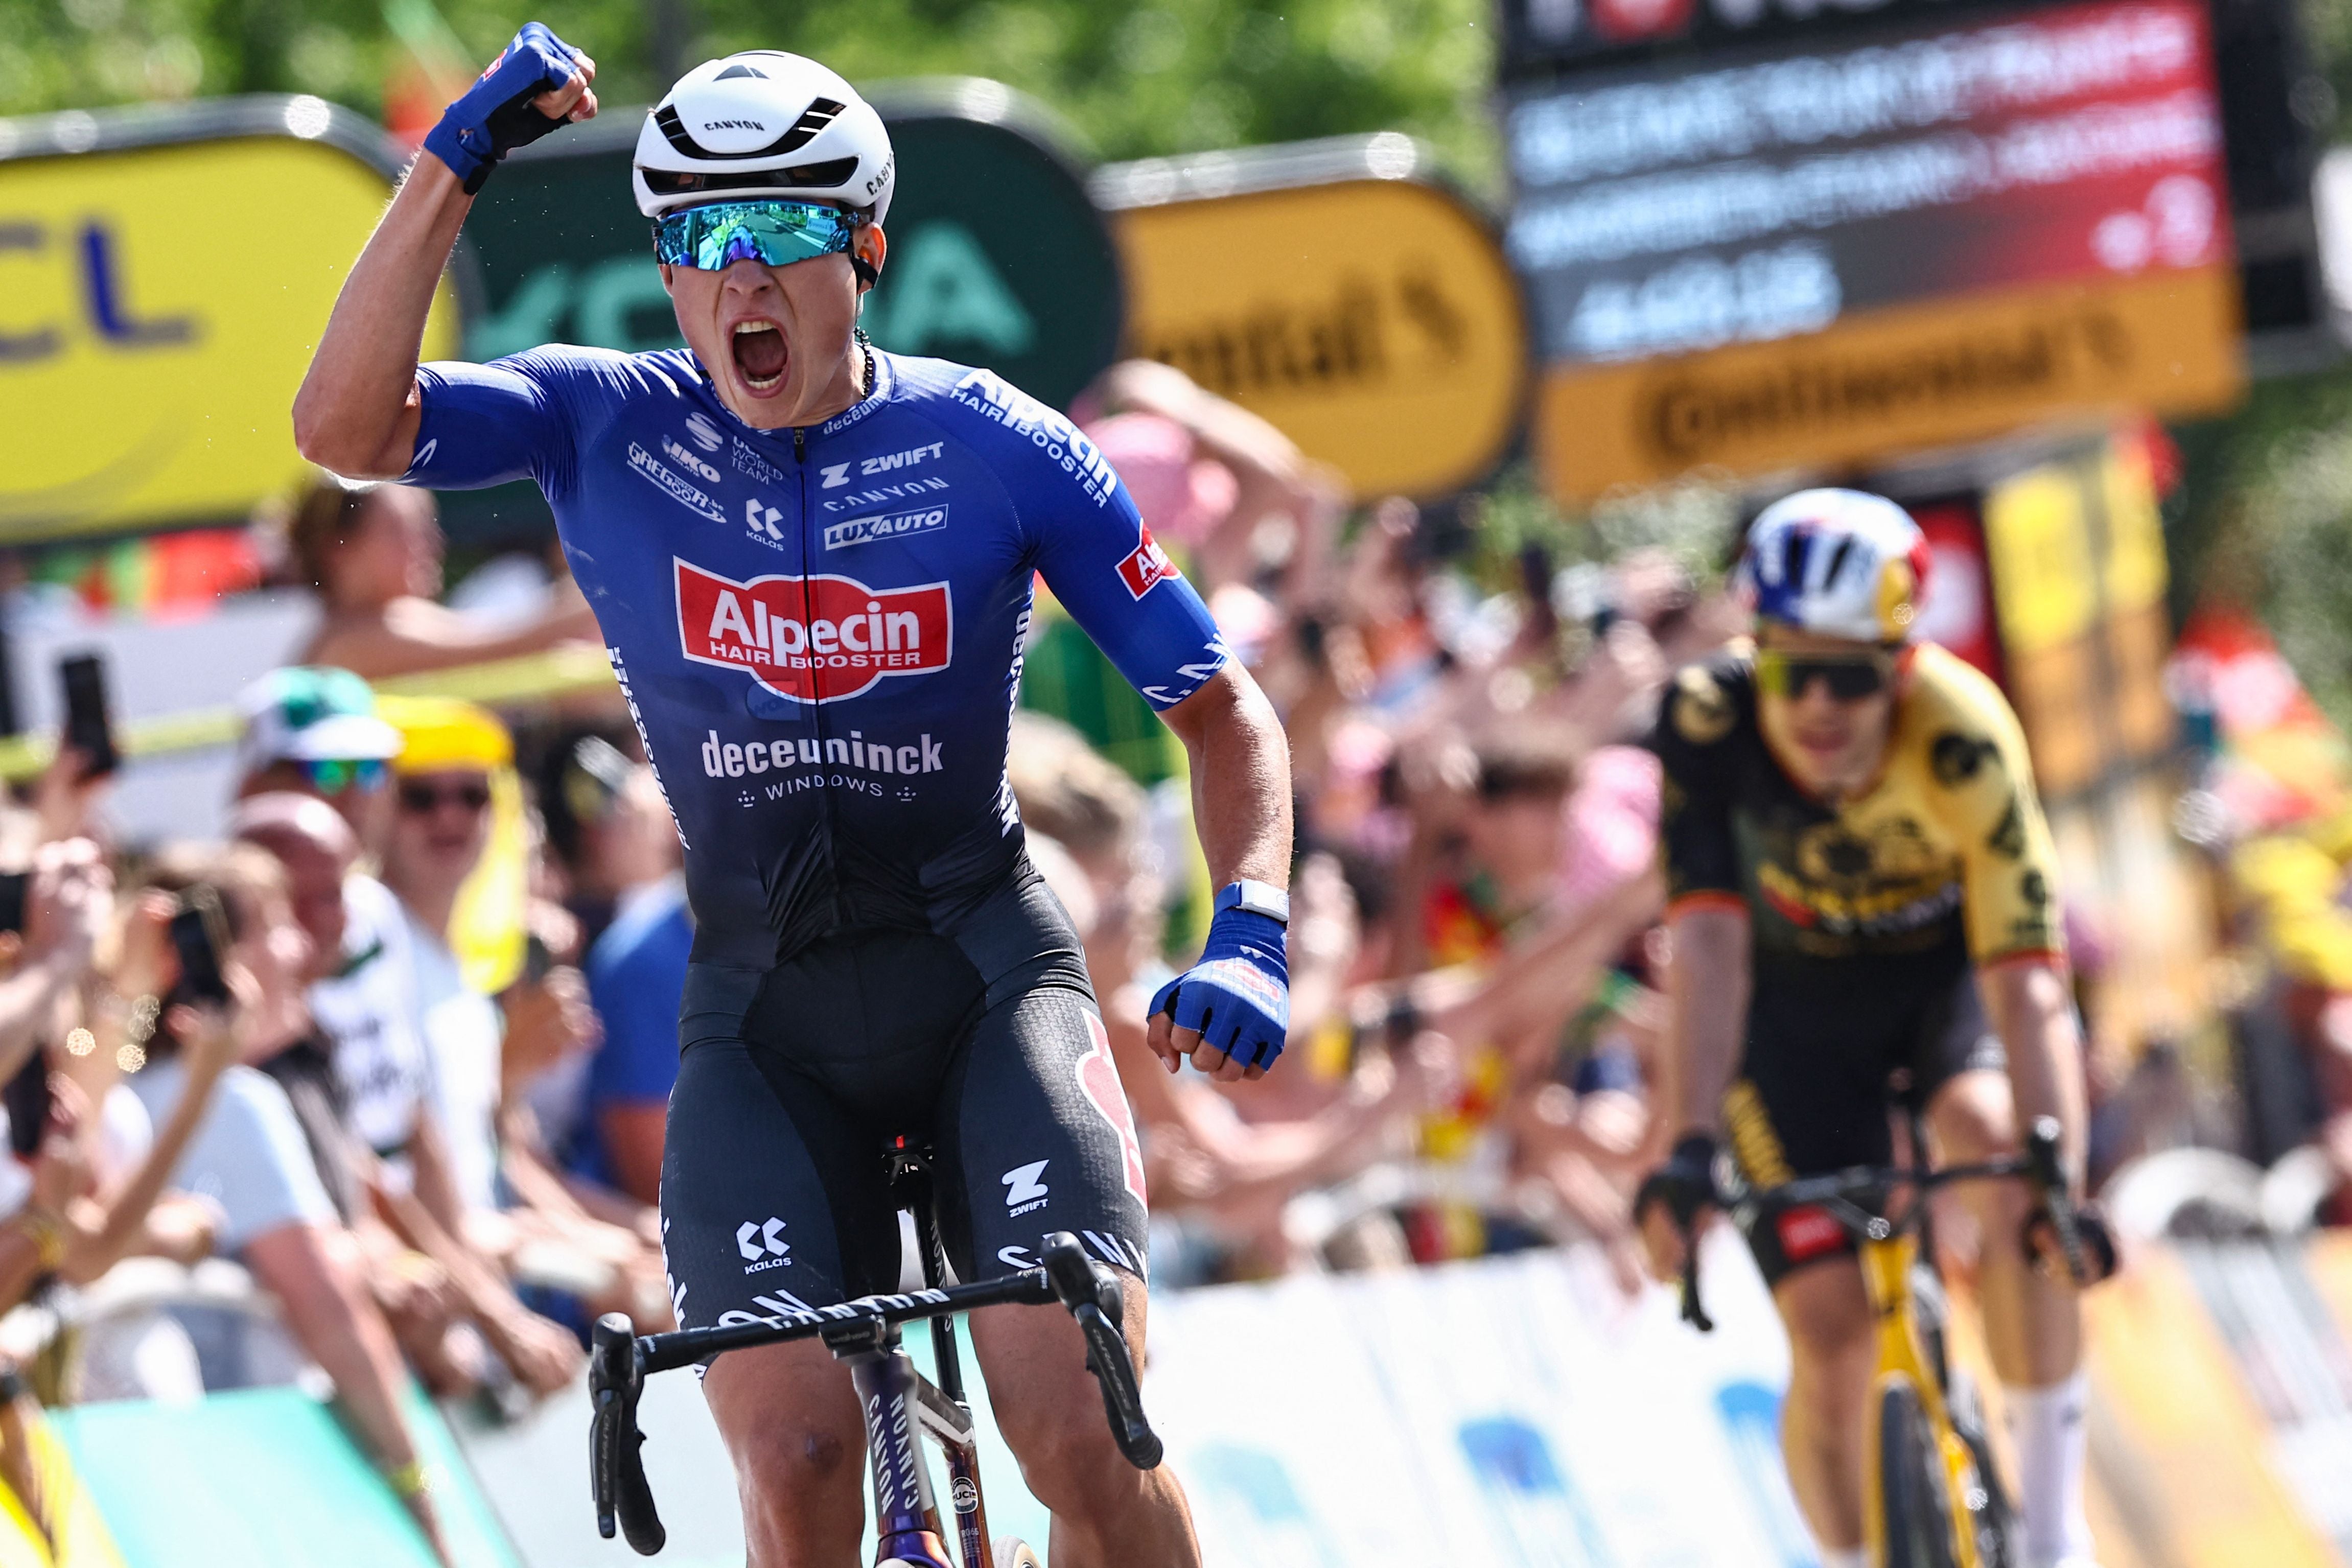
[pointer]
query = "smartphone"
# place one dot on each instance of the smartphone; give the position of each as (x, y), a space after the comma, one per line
(199, 936)
(26, 1098)
(12, 884)
(89, 721)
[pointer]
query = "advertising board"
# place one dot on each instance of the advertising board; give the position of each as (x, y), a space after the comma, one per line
(158, 305)
(1815, 255)
(1331, 287)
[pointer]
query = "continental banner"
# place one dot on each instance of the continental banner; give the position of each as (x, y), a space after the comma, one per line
(1886, 382)
(163, 277)
(1370, 316)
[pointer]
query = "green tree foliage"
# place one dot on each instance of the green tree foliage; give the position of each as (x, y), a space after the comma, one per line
(1135, 81)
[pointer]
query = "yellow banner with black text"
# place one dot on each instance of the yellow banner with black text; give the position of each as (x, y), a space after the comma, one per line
(1884, 383)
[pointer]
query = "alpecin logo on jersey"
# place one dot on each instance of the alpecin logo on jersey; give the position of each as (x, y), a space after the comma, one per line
(1147, 567)
(815, 638)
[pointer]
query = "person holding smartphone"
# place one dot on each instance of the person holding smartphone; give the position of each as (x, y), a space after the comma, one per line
(209, 1012)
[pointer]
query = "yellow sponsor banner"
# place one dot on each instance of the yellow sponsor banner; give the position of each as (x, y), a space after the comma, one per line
(1881, 382)
(1373, 320)
(158, 306)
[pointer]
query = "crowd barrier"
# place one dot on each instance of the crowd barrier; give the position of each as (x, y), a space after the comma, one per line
(1516, 1410)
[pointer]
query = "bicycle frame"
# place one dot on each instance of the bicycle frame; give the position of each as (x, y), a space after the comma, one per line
(899, 1404)
(1887, 1262)
(1888, 1249)
(896, 1403)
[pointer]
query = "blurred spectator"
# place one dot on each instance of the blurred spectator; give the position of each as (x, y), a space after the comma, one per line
(579, 787)
(374, 551)
(1214, 480)
(1085, 825)
(627, 847)
(1231, 498)
(437, 1286)
(248, 1155)
(440, 825)
(315, 732)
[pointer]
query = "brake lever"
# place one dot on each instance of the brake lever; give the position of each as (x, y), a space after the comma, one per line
(2049, 1178)
(1091, 1295)
(616, 1466)
(1694, 1314)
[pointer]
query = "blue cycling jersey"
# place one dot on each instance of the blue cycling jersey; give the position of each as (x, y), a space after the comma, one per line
(819, 630)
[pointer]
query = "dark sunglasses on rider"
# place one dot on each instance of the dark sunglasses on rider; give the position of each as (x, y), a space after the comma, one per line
(775, 234)
(422, 800)
(1849, 677)
(333, 774)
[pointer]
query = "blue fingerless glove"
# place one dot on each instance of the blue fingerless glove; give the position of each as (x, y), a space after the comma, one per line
(1238, 995)
(495, 117)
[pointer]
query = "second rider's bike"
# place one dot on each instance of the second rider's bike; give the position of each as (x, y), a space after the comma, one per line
(1933, 1498)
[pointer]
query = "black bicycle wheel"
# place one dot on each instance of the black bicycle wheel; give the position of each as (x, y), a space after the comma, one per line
(1911, 1484)
(1991, 1516)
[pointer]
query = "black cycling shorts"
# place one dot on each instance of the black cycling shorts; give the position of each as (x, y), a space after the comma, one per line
(983, 1043)
(1830, 1052)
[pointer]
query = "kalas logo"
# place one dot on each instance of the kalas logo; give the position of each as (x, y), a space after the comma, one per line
(815, 638)
(1145, 567)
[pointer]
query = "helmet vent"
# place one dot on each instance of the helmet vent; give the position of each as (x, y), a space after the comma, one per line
(818, 115)
(832, 173)
(1838, 558)
(815, 117)
(739, 69)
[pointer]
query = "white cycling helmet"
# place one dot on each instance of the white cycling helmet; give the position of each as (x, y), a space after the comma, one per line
(1838, 564)
(763, 123)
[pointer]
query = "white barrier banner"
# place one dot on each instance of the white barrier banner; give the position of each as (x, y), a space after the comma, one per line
(1518, 1410)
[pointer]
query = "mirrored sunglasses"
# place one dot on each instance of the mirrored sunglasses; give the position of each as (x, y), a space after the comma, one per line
(333, 774)
(774, 234)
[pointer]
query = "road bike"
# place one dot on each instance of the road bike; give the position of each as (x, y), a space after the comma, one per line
(1933, 1498)
(897, 1401)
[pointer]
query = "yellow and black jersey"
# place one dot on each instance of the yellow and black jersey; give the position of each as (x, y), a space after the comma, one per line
(1947, 851)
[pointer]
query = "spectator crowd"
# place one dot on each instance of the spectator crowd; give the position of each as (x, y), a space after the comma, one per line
(416, 1128)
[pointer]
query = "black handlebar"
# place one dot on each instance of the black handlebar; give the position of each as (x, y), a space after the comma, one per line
(619, 1362)
(1091, 1293)
(1844, 1195)
(616, 1377)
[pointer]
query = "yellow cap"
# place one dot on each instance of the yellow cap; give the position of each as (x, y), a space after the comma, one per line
(438, 734)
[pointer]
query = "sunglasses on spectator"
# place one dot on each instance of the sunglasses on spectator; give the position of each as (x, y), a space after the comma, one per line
(1849, 677)
(422, 800)
(333, 774)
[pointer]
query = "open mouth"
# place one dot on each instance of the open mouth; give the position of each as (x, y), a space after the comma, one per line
(760, 355)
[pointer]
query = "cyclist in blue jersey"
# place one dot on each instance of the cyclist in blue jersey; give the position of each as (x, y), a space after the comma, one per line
(812, 563)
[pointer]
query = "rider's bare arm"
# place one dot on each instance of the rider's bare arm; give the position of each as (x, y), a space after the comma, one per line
(1241, 804)
(357, 412)
(1241, 778)
(1707, 983)
(2032, 1007)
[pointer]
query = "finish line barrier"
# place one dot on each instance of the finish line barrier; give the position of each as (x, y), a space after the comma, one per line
(1515, 1410)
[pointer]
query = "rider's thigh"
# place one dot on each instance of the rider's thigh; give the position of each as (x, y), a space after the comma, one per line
(1827, 1313)
(766, 1206)
(1036, 1136)
(790, 1417)
(1973, 1117)
(1048, 1406)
